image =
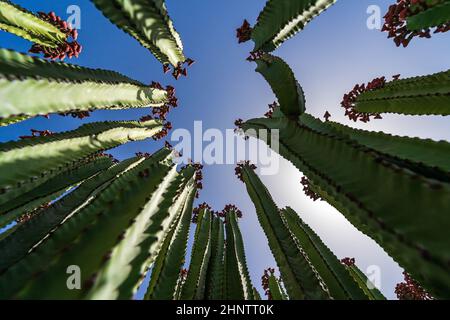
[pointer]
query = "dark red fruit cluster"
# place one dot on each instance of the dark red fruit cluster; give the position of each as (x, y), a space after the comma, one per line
(183, 274)
(411, 290)
(227, 209)
(179, 70)
(29, 215)
(196, 211)
(102, 154)
(396, 21)
(76, 114)
(265, 282)
(143, 155)
(349, 100)
(244, 33)
(198, 177)
(64, 50)
(349, 262)
(240, 166)
(164, 131)
(255, 55)
(307, 189)
(327, 116)
(272, 107)
(37, 133)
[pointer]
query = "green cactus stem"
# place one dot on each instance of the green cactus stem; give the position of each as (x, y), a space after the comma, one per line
(166, 268)
(49, 33)
(301, 279)
(194, 286)
(364, 283)
(280, 20)
(280, 77)
(425, 95)
(42, 158)
(272, 286)
(142, 204)
(149, 23)
(51, 189)
(31, 86)
(339, 282)
(30, 233)
(216, 271)
(409, 223)
(238, 283)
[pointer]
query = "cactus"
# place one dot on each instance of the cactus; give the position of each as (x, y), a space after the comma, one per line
(113, 253)
(165, 272)
(411, 290)
(28, 234)
(339, 282)
(272, 286)
(238, 285)
(51, 189)
(149, 23)
(364, 283)
(42, 158)
(301, 278)
(49, 33)
(31, 86)
(194, 285)
(352, 185)
(280, 77)
(426, 95)
(215, 275)
(416, 18)
(281, 20)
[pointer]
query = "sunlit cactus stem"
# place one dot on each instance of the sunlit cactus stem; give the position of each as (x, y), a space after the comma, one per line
(149, 23)
(280, 21)
(49, 33)
(31, 86)
(425, 95)
(300, 277)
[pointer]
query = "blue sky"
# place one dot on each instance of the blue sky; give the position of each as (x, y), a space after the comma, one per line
(333, 53)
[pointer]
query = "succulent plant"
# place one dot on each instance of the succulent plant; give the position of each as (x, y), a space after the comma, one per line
(31, 86)
(48, 32)
(408, 19)
(281, 20)
(149, 23)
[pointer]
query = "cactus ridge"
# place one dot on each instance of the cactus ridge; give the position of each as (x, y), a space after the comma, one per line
(334, 274)
(149, 23)
(193, 287)
(424, 95)
(432, 17)
(280, 20)
(87, 226)
(16, 245)
(20, 21)
(41, 158)
(429, 252)
(301, 278)
(281, 78)
(45, 192)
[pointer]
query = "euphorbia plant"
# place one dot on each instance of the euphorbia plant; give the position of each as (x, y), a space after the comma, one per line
(407, 19)
(51, 34)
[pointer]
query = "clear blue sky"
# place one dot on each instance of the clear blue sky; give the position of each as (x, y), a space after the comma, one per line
(332, 54)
